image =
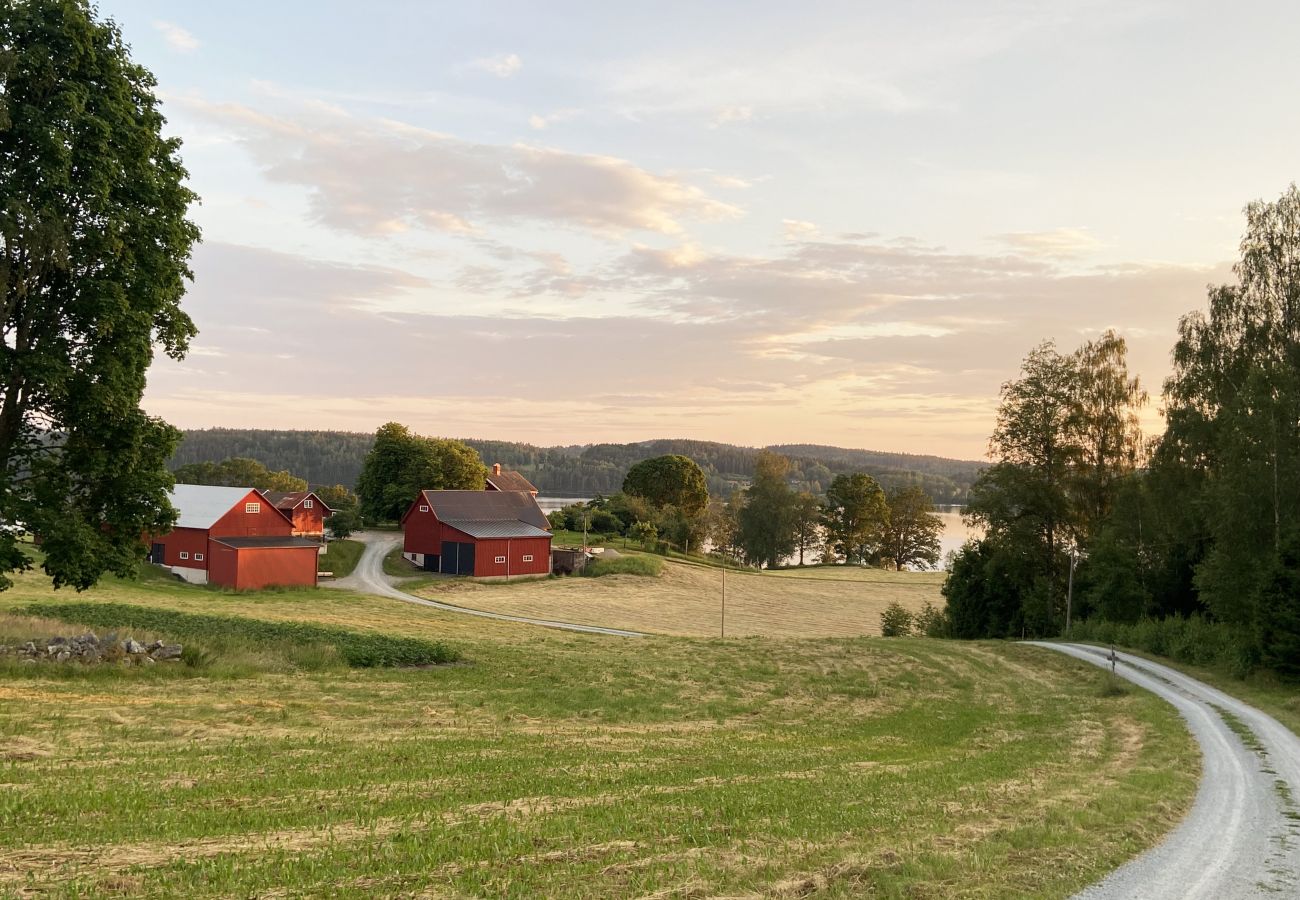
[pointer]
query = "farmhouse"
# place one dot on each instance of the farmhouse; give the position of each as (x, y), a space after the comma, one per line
(233, 537)
(500, 480)
(304, 509)
(485, 534)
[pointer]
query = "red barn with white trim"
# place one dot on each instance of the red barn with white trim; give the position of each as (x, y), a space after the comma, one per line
(304, 509)
(483, 534)
(233, 537)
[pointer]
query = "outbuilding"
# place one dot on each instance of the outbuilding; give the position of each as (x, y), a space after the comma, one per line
(307, 512)
(234, 537)
(483, 534)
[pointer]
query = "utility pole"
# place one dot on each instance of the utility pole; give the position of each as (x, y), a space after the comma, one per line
(724, 596)
(1069, 591)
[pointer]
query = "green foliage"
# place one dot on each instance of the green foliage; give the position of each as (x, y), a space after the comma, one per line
(1194, 640)
(911, 532)
(94, 245)
(343, 523)
(806, 519)
(766, 521)
(644, 532)
(359, 650)
(239, 472)
(855, 516)
(341, 557)
(672, 480)
(401, 464)
(1278, 622)
(624, 565)
(896, 621)
(933, 622)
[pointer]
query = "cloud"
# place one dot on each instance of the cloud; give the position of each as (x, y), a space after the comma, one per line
(729, 114)
(1061, 243)
(797, 229)
(176, 37)
(540, 123)
(503, 65)
(374, 177)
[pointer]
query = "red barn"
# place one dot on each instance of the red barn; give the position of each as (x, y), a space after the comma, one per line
(485, 534)
(233, 537)
(304, 509)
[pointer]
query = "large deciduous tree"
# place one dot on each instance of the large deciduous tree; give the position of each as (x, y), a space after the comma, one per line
(401, 464)
(766, 532)
(911, 533)
(239, 471)
(855, 516)
(672, 480)
(93, 264)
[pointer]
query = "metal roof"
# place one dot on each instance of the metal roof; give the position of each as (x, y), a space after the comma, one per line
(241, 543)
(510, 481)
(496, 528)
(201, 505)
(291, 499)
(486, 505)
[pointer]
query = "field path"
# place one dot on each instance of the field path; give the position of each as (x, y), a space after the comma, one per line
(1242, 836)
(369, 578)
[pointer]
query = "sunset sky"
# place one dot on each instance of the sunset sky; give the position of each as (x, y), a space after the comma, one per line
(562, 223)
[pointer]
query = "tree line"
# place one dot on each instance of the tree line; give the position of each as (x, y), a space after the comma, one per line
(336, 457)
(1084, 519)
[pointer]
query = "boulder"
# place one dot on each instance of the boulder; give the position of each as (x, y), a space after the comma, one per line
(132, 646)
(167, 651)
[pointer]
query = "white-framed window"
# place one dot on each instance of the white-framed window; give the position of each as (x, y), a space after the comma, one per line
(500, 560)
(306, 504)
(198, 557)
(528, 557)
(424, 509)
(252, 508)
(184, 555)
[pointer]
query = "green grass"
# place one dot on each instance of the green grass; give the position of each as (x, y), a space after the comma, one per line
(340, 557)
(624, 565)
(356, 649)
(564, 765)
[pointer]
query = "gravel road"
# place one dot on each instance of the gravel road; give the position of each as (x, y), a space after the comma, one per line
(369, 578)
(1242, 836)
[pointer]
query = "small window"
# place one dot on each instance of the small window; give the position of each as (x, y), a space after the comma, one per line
(252, 508)
(184, 555)
(306, 504)
(424, 509)
(500, 560)
(198, 557)
(528, 558)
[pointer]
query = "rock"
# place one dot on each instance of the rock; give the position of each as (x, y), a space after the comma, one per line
(89, 638)
(147, 660)
(91, 655)
(30, 647)
(167, 651)
(58, 640)
(156, 645)
(133, 646)
(62, 656)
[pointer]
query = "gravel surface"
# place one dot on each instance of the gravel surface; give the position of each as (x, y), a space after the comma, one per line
(1242, 836)
(368, 577)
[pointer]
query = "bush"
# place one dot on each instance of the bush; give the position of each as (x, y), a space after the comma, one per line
(624, 565)
(896, 621)
(932, 622)
(1194, 640)
(361, 651)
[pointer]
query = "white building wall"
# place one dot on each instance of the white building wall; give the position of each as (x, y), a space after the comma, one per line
(192, 575)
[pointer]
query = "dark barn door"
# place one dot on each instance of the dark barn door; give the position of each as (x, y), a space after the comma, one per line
(467, 559)
(157, 554)
(457, 559)
(431, 562)
(448, 558)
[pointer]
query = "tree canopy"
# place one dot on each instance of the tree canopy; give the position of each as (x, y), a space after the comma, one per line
(240, 472)
(94, 258)
(401, 464)
(672, 480)
(855, 515)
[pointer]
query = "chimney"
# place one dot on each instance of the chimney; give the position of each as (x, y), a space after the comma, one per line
(496, 468)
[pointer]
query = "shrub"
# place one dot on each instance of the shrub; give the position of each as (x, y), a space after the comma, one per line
(933, 622)
(1194, 640)
(624, 565)
(896, 621)
(356, 649)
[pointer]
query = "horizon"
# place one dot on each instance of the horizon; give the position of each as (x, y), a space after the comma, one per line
(845, 227)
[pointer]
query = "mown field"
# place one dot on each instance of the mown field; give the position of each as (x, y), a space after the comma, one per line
(686, 600)
(547, 764)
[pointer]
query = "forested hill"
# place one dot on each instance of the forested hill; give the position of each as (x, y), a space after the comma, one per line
(334, 457)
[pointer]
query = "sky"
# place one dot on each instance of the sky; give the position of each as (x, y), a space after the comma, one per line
(751, 222)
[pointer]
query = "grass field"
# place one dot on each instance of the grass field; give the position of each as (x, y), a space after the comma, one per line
(340, 557)
(686, 600)
(550, 764)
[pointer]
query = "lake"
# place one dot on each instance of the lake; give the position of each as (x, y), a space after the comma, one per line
(955, 533)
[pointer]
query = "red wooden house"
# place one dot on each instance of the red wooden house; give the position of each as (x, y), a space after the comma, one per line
(234, 537)
(485, 534)
(304, 509)
(501, 480)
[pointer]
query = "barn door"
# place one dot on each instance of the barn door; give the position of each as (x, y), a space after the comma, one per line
(448, 558)
(432, 562)
(158, 554)
(466, 559)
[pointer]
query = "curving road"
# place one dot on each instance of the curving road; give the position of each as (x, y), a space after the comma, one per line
(369, 578)
(1242, 836)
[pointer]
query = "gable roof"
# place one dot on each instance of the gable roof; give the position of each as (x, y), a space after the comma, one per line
(201, 505)
(291, 499)
(484, 506)
(510, 481)
(496, 528)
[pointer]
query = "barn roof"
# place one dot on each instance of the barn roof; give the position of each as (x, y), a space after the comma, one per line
(201, 505)
(481, 506)
(510, 481)
(291, 499)
(244, 543)
(496, 528)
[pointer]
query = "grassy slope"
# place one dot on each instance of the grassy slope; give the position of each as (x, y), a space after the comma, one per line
(566, 765)
(686, 600)
(340, 557)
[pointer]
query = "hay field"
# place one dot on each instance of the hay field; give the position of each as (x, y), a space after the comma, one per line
(686, 600)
